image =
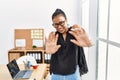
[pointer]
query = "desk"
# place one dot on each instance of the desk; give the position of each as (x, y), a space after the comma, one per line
(38, 73)
(15, 53)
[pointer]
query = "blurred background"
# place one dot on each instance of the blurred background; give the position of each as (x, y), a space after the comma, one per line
(100, 19)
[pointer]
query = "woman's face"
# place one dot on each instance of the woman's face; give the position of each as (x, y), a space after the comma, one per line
(60, 24)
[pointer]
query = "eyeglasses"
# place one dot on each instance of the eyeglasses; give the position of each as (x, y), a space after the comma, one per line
(61, 23)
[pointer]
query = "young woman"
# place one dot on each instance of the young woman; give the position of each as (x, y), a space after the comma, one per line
(67, 60)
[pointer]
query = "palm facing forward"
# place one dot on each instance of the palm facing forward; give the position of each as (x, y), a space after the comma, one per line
(51, 43)
(81, 38)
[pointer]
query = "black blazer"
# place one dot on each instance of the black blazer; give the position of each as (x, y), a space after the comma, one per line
(82, 61)
(69, 55)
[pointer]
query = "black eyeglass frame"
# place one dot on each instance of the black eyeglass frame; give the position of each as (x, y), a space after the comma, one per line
(61, 23)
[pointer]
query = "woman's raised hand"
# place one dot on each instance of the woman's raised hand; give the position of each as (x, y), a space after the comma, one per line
(51, 43)
(81, 38)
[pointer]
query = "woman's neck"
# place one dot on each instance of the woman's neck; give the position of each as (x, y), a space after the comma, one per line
(64, 34)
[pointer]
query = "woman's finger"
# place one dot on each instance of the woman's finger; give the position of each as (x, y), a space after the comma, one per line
(51, 36)
(56, 38)
(74, 41)
(73, 33)
(78, 30)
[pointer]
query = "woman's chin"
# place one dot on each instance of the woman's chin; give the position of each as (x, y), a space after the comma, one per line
(62, 31)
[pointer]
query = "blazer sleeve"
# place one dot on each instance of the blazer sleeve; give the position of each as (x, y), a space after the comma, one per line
(83, 68)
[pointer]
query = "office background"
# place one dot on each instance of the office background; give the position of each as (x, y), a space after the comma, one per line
(100, 18)
(15, 14)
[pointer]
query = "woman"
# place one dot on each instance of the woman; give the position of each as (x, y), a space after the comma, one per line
(65, 45)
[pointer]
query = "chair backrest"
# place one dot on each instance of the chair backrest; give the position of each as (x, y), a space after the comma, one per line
(23, 59)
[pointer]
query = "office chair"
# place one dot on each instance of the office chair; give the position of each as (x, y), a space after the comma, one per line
(25, 58)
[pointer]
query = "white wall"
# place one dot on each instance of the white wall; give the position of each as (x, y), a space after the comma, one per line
(29, 14)
(37, 13)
